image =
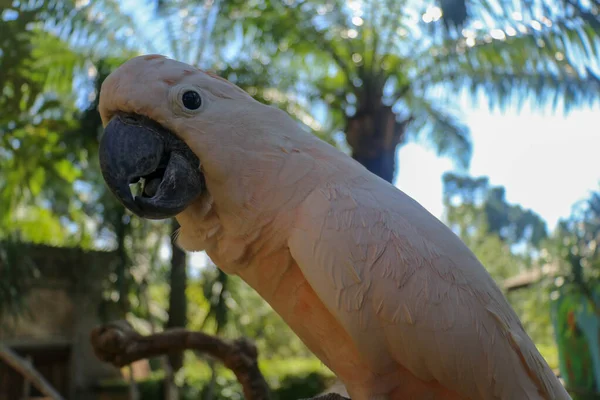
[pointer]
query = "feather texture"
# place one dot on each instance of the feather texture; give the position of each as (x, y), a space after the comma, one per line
(401, 283)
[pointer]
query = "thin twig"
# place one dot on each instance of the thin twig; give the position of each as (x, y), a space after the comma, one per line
(117, 343)
(25, 368)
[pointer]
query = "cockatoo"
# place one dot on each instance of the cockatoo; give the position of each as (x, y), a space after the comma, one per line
(381, 291)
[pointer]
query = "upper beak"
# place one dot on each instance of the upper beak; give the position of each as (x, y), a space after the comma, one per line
(135, 147)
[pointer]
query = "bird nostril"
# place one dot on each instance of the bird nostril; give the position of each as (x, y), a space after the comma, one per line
(130, 119)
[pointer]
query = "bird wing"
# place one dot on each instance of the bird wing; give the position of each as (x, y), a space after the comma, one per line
(405, 286)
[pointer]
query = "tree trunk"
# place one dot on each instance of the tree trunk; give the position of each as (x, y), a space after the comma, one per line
(373, 135)
(220, 312)
(123, 269)
(177, 298)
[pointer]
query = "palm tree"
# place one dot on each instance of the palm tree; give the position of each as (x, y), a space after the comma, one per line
(387, 71)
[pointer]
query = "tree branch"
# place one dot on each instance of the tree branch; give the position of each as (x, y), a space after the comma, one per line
(117, 343)
(29, 372)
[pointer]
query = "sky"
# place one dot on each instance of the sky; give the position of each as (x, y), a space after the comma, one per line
(546, 162)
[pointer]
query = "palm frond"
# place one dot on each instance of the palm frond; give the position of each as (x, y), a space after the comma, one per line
(460, 13)
(568, 90)
(435, 124)
(558, 43)
(96, 28)
(535, 65)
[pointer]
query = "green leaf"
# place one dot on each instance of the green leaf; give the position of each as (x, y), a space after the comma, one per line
(67, 171)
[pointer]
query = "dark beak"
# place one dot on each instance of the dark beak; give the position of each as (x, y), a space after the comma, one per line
(135, 149)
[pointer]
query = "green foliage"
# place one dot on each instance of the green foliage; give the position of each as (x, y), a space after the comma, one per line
(532, 305)
(576, 241)
(39, 168)
(50, 186)
(301, 387)
(473, 205)
(247, 315)
(573, 250)
(495, 255)
(578, 20)
(289, 379)
(576, 326)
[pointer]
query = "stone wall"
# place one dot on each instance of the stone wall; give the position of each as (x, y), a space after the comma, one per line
(62, 307)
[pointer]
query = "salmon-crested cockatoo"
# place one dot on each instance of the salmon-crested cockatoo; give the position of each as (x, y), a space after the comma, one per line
(382, 292)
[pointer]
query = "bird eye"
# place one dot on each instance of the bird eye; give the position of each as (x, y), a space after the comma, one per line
(191, 100)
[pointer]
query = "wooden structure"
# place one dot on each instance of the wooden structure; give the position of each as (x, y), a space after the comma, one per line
(62, 306)
(529, 277)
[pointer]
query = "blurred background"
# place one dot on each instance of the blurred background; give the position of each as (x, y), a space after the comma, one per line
(483, 111)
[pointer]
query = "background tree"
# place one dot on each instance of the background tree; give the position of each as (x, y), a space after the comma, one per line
(575, 296)
(574, 248)
(474, 205)
(382, 71)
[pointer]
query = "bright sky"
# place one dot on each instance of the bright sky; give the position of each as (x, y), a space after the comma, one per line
(546, 162)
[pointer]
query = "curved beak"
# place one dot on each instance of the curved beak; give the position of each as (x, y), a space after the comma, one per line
(135, 149)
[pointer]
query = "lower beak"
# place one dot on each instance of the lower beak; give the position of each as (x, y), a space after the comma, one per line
(134, 149)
